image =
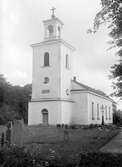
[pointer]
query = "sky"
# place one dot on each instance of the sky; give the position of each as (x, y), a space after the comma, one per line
(21, 25)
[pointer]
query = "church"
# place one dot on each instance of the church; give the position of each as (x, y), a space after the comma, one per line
(57, 96)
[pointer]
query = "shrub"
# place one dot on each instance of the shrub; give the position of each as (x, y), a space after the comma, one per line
(73, 126)
(15, 157)
(117, 118)
(93, 126)
(100, 159)
(62, 125)
(58, 125)
(66, 126)
(20, 157)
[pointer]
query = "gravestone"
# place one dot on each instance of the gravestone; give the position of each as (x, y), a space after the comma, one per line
(8, 133)
(8, 136)
(17, 133)
(2, 139)
(66, 135)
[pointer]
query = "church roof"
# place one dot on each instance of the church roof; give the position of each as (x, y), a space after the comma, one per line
(87, 88)
(53, 19)
(50, 42)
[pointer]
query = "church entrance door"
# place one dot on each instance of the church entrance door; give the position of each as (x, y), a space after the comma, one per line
(45, 117)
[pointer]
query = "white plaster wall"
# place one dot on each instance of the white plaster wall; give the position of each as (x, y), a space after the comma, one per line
(66, 112)
(80, 108)
(60, 80)
(66, 74)
(35, 114)
(76, 86)
(39, 71)
(101, 101)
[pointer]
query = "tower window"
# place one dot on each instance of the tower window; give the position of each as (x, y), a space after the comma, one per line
(46, 80)
(67, 61)
(59, 31)
(50, 29)
(46, 59)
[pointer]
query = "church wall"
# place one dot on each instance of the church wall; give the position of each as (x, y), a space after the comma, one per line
(66, 73)
(76, 86)
(54, 96)
(35, 114)
(80, 108)
(101, 101)
(66, 110)
(52, 72)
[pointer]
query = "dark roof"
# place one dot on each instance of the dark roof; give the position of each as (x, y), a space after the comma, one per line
(99, 92)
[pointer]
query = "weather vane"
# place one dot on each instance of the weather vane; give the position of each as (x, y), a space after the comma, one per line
(53, 12)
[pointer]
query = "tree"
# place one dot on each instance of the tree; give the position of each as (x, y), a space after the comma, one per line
(117, 118)
(13, 101)
(111, 13)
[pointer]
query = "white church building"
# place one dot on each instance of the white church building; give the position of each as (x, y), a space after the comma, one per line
(57, 97)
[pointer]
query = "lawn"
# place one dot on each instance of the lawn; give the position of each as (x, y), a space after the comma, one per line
(49, 141)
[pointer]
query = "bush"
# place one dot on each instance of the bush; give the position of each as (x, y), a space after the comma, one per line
(15, 157)
(58, 125)
(73, 127)
(20, 157)
(100, 160)
(66, 126)
(62, 125)
(117, 118)
(94, 126)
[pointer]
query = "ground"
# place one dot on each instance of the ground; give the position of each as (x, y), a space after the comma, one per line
(49, 141)
(115, 145)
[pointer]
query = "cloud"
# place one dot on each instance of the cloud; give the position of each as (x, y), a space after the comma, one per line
(17, 77)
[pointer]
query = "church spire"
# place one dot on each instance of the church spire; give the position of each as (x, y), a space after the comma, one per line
(52, 27)
(53, 12)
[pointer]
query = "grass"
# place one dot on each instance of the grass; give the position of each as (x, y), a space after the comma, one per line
(49, 141)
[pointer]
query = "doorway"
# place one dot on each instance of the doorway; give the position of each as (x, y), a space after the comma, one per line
(45, 117)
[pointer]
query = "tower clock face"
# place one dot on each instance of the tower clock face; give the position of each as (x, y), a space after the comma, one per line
(67, 92)
(46, 80)
(50, 29)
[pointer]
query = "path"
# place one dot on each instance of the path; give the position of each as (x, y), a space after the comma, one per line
(115, 145)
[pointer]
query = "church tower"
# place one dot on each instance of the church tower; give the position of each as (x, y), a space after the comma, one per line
(51, 101)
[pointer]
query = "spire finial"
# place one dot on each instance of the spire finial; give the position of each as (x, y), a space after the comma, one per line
(53, 10)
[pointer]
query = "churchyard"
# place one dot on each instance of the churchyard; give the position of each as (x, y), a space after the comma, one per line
(51, 140)
(59, 143)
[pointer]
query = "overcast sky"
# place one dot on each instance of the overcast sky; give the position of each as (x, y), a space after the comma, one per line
(22, 25)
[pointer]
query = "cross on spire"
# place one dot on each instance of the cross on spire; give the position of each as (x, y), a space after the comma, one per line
(53, 10)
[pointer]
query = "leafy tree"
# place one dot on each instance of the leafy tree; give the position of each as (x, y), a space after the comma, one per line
(111, 13)
(117, 118)
(13, 101)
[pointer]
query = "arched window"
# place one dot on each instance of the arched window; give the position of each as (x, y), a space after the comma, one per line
(106, 112)
(67, 61)
(44, 110)
(46, 59)
(93, 116)
(98, 112)
(109, 113)
(50, 29)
